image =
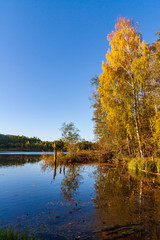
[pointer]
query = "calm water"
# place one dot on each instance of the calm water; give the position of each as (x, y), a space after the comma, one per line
(24, 153)
(76, 201)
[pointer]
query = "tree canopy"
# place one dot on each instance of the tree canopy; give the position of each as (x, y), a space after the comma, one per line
(127, 93)
(70, 133)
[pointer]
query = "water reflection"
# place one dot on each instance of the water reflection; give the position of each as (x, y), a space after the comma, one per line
(18, 160)
(71, 181)
(123, 199)
(72, 177)
(82, 200)
(49, 163)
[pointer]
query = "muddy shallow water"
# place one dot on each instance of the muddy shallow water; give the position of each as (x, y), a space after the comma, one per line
(77, 201)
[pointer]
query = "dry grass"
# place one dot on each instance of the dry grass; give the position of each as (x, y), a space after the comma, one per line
(144, 164)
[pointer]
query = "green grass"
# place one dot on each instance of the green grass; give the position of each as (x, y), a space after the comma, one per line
(10, 234)
(145, 164)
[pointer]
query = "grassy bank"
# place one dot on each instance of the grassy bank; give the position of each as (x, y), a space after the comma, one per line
(83, 156)
(10, 234)
(77, 157)
(145, 165)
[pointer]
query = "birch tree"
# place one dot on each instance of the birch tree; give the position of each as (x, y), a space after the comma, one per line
(123, 83)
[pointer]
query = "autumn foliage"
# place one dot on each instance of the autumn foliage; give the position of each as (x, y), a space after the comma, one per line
(127, 99)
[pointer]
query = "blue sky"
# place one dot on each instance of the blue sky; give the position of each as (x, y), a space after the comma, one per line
(49, 51)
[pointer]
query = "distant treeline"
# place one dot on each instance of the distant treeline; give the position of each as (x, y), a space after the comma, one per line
(12, 142)
(22, 143)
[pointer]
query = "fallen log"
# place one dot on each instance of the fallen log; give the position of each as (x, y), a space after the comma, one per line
(117, 227)
(125, 234)
(150, 172)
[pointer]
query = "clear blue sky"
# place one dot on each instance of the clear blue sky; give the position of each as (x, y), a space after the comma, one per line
(49, 51)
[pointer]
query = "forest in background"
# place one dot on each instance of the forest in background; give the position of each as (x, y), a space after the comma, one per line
(22, 143)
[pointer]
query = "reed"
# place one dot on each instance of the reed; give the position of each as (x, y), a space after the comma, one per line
(10, 234)
(144, 164)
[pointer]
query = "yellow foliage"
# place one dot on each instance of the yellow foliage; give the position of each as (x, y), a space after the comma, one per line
(124, 81)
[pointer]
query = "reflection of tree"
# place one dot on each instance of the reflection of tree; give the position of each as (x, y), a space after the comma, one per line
(122, 198)
(71, 182)
(112, 189)
(18, 160)
(72, 177)
(50, 164)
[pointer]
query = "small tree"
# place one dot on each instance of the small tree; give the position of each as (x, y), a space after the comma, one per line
(70, 136)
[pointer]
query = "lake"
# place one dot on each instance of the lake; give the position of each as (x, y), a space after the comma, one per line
(87, 201)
